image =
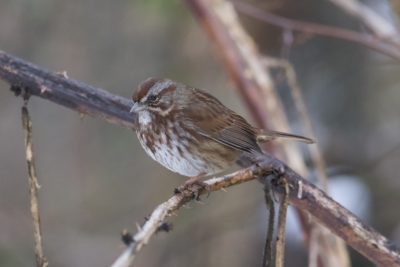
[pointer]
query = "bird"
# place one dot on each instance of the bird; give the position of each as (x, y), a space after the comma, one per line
(190, 132)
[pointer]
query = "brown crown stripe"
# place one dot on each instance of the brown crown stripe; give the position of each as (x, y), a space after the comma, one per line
(144, 88)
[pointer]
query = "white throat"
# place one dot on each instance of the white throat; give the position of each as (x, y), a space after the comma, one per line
(144, 117)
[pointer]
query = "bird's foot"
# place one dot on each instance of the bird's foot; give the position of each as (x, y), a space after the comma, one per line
(272, 170)
(195, 186)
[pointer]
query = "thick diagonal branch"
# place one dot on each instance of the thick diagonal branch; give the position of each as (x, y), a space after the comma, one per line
(302, 194)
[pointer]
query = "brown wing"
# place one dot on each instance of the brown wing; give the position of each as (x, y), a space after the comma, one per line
(213, 120)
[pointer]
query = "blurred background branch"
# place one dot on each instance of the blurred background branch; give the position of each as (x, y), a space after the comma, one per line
(381, 27)
(372, 41)
(247, 68)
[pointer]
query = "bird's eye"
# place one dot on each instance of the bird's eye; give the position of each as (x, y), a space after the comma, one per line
(152, 99)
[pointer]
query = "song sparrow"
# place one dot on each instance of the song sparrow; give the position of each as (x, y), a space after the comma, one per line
(191, 132)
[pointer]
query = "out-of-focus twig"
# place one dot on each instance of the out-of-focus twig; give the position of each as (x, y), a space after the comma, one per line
(368, 40)
(314, 249)
(321, 241)
(381, 27)
(34, 187)
(316, 155)
(339, 254)
(244, 63)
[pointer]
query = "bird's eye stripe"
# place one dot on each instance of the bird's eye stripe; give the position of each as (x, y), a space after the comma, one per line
(152, 98)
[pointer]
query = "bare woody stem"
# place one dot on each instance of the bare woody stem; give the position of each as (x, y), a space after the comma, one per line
(34, 187)
(280, 242)
(166, 209)
(268, 259)
(305, 196)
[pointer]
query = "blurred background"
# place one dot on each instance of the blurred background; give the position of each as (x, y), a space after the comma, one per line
(95, 178)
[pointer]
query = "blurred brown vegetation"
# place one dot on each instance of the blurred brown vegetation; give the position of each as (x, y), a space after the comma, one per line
(95, 178)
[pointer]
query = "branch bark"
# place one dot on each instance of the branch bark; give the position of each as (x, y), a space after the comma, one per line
(59, 89)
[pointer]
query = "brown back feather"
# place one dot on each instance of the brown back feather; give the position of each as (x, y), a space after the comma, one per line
(213, 120)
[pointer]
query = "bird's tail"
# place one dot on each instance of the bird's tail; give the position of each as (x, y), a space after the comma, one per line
(265, 136)
(247, 159)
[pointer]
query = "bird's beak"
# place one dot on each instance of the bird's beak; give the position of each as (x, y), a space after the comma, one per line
(135, 108)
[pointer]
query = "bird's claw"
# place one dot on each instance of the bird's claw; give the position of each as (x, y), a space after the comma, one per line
(195, 188)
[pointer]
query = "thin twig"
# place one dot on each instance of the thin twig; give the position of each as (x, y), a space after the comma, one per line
(368, 40)
(164, 210)
(268, 247)
(280, 240)
(315, 152)
(34, 187)
(314, 248)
